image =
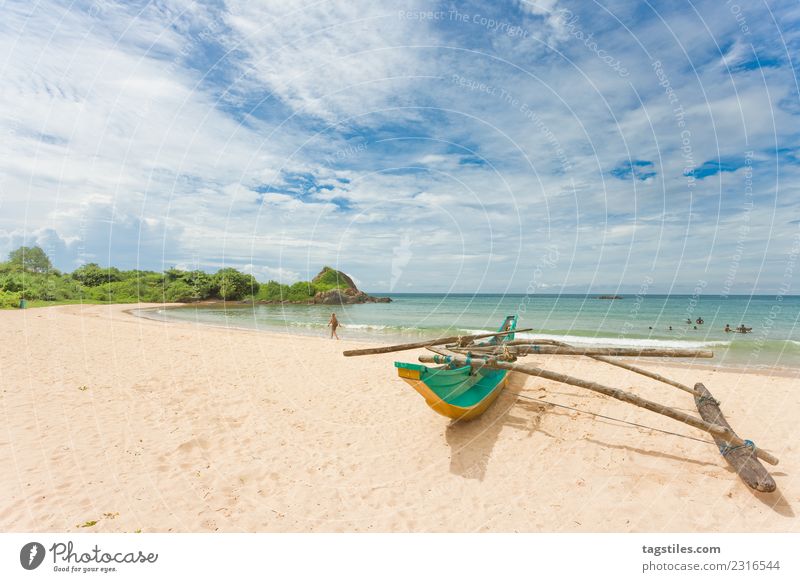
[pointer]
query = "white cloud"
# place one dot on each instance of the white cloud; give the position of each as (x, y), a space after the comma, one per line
(123, 145)
(332, 60)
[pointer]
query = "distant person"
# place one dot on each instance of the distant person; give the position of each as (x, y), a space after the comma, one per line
(728, 328)
(699, 321)
(695, 327)
(688, 321)
(651, 327)
(670, 328)
(333, 323)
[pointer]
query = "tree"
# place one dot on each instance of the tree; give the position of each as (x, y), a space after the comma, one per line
(92, 275)
(273, 291)
(179, 292)
(200, 282)
(32, 259)
(301, 291)
(231, 284)
(174, 274)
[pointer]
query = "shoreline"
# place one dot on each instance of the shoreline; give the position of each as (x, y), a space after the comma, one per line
(254, 330)
(134, 424)
(783, 371)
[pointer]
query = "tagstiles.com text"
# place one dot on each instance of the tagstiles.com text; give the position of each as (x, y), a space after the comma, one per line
(679, 549)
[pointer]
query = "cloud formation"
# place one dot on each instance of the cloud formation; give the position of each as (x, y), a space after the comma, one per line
(465, 143)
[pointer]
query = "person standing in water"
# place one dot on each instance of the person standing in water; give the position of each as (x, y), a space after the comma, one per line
(333, 323)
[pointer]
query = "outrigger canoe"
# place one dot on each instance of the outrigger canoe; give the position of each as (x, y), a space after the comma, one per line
(459, 392)
(468, 375)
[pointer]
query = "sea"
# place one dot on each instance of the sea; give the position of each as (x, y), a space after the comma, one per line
(652, 321)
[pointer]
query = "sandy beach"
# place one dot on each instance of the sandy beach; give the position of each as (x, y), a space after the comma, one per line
(117, 423)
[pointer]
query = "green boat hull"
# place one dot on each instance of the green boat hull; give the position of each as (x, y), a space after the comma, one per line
(458, 392)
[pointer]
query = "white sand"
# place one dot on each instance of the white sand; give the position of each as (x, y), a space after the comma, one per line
(142, 425)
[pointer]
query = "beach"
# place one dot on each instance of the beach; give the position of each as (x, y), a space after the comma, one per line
(118, 423)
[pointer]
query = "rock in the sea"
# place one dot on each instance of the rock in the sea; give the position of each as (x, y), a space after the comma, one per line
(330, 276)
(346, 294)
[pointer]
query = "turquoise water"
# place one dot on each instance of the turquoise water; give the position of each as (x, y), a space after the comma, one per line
(578, 319)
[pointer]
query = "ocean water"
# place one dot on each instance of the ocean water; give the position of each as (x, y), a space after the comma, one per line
(579, 319)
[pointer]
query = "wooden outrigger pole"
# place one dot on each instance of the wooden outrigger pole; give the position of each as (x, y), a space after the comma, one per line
(564, 350)
(461, 339)
(639, 353)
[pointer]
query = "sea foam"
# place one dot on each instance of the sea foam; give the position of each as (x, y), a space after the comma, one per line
(615, 342)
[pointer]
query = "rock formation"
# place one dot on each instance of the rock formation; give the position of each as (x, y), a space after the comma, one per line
(343, 291)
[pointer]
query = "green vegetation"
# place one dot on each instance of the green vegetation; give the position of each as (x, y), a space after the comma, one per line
(92, 275)
(230, 284)
(329, 278)
(30, 275)
(32, 259)
(300, 292)
(9, 299)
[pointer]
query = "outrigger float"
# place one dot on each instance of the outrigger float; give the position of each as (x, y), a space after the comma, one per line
(469, 373)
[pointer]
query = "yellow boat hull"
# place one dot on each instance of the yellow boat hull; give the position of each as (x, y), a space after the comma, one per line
(451, 410)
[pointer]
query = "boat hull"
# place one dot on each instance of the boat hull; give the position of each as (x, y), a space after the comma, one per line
(465, 411)
(460, 393)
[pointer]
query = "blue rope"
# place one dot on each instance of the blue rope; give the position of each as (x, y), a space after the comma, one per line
(725, 450)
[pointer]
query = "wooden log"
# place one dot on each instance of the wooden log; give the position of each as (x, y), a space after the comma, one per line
(725, 433)
(625, 366)
(647, 373)
(525, 350)
(440, 351)
(741, 458)
(637, 370)
(426, 343)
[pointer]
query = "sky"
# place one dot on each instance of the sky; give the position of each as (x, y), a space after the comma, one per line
(518, 146)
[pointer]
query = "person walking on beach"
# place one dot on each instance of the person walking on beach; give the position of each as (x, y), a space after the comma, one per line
(333, 323)
(728, 328)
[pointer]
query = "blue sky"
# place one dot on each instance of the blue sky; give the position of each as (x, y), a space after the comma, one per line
(420, 146)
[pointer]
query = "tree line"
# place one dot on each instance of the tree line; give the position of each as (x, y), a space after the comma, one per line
(29, 274)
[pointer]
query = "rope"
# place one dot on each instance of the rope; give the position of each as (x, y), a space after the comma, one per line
(710, 399)
(617, 419)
